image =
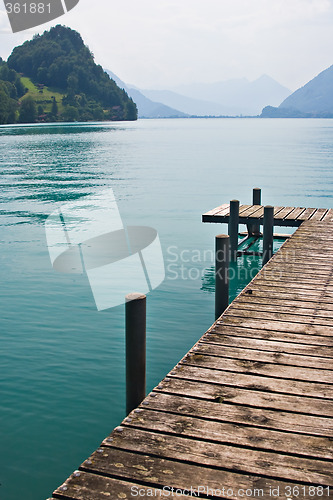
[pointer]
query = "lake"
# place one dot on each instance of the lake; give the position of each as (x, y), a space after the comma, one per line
(62, 361)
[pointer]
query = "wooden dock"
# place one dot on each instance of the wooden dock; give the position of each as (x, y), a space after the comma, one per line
(283, 216)
(248, 411)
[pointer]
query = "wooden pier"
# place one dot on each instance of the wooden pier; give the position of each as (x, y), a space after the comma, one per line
(283, 216)
(247, 413)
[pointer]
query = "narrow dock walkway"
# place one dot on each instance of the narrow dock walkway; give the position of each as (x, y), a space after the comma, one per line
(283, 216)
(248, 411)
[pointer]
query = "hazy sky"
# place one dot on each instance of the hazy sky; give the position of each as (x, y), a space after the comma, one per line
(164, 43)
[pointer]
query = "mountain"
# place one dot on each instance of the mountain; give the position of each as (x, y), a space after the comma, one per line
(232, 97)
(187, 104)
(315, 99)
(146, 107)
(63, 82)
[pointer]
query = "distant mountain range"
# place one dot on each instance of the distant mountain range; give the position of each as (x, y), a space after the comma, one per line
(147, 108)
(229, 98)
(314, 100)
(237, 97)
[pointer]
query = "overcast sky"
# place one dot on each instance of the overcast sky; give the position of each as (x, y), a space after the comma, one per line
(164, 43)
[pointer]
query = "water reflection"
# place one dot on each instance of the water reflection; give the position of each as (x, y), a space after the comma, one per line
(240, 272)
(50, 164)
(58, 128)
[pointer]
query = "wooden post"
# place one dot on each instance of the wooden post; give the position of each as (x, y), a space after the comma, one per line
(233, 228)
(268, 234)
(221, 274)
(256, 196)
(135, 307)
(254, 229)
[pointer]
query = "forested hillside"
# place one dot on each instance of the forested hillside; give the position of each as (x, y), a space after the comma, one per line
(11, 89)
(54, 77)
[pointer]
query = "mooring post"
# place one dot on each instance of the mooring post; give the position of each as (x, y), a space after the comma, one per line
(256, 198)
(233, 228)
(135, 307)
(268, 234)
(254, 229)
(221, 274)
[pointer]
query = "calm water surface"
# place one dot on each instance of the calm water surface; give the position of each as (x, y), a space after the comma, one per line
(62, 362)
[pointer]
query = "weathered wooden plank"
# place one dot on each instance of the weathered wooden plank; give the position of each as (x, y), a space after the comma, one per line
(282, 316)
(86, 486)
(304, 284)
(283, 301)
(259, 417)
(259, 213)
(256, 367)
(248, 341)
(306, 214)
(182, 476)
(244, 208)
(300, 292)
(277, 210)
(315, 229)
(300, 247)
(293, 278)
(311, 239)
(319, 254)
(251, 211)
(295, 213)
(320, 258)
(318, 229)
(298, 252)
(328, 217)
(283, 213)
(275, 357)
(258, 330)
(319, 214)
(314, 274)
(278, 325)
(220, 209)
(251, 381)
(230, 433)
(251, 397)
(317, 268)
(282, 290)
(281, 466)
(322, 266)
(276, 308)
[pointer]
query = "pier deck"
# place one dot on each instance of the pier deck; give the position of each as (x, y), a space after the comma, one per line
(248, 410)
(283, 216)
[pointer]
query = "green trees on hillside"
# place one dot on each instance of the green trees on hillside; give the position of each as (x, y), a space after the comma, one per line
(8, 105)
(11, 89)
(28, 110)
(59, 59)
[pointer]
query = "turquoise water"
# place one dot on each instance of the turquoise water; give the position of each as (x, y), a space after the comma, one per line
(62, 362)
